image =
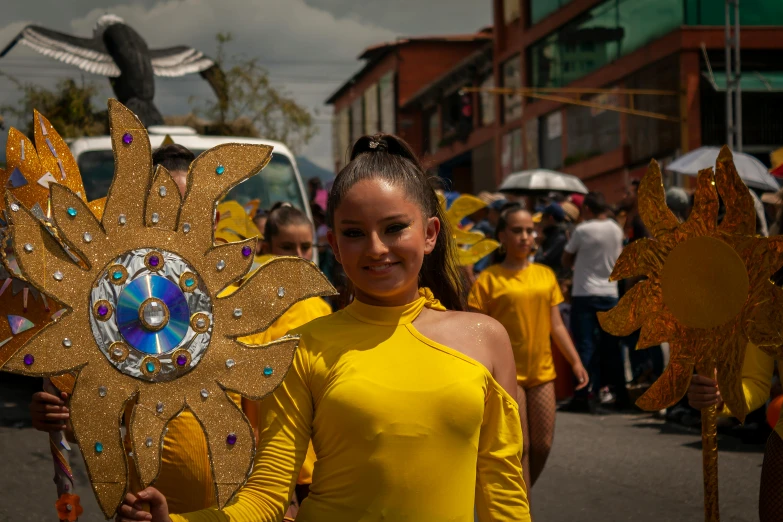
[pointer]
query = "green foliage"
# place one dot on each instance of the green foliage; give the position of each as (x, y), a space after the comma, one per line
(254, 107)
(68, 107)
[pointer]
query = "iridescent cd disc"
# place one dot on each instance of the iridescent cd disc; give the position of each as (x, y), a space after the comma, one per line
(152, 314)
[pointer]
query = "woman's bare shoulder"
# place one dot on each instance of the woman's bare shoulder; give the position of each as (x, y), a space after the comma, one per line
(482, 327)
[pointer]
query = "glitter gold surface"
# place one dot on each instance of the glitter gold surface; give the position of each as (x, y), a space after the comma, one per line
(49, 162)
(706, 285)
(166, 206)
(96, 418)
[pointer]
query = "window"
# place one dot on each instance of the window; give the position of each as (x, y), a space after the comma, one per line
(431, 131)
(487, 100)
(342, 137)
(277, 182)
(512, 79)
(540, 9)
(752, 12)
(601, 35)
(387, 104)
(371, 113)
(511, 10)
(357, 119)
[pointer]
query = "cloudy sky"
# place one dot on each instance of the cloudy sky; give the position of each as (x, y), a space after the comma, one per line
(309, 46)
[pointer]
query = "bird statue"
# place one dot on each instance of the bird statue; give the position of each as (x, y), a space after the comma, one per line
(116, 50)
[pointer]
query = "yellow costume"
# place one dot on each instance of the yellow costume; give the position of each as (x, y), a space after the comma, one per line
(757, 370)
(298, 315)
(522, 302)
(185, 476)
(404, 428)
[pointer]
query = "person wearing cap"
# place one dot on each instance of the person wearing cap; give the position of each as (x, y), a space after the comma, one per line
(550, 253)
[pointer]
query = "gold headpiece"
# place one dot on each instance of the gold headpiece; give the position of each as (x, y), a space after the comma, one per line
(143, 320)
(30, 169)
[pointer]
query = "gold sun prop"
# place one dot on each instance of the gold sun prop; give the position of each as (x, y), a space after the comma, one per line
(143, 321)
(705, 289)
(473, 245)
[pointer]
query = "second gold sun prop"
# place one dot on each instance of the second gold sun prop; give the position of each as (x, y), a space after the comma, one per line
(705, 283)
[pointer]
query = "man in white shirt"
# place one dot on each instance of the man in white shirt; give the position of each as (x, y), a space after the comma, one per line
(592, 251)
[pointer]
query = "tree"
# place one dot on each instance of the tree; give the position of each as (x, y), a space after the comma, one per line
(68, 107)
(253, 106)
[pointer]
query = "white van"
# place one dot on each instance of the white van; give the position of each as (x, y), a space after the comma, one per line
(278, 181)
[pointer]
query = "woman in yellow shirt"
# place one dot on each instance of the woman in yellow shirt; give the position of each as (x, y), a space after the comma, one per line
(523, 297)
(407, 404)
(757, 371)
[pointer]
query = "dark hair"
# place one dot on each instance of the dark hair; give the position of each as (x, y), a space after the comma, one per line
(281, 215)
(595, 202)
(388, 157)
(505, 212)
(173, 157)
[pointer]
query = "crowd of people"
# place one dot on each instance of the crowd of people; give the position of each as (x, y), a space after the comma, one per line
(425, 391)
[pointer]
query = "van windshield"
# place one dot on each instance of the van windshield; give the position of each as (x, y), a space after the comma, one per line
(276, 182)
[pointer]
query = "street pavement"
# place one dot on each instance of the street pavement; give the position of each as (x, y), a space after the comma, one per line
(607, 468)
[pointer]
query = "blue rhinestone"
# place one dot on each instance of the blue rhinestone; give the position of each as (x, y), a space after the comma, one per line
(98, 447)
(150, 367)
(71, 211)
(117, 275)
(190, 282)
(268, 371)
(220, 170)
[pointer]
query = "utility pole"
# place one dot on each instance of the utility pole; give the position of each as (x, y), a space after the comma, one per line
(733, 77)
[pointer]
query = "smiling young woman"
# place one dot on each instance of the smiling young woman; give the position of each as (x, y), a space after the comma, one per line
(409, 406)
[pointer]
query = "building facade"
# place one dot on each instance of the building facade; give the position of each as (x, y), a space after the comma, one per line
(674, 46)
(371, 101)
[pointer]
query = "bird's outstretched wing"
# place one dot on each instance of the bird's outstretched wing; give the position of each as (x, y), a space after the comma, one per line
(179, 61)
(85, 53)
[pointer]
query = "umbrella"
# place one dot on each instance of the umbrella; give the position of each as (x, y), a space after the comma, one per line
(542, 180)
(751, 170)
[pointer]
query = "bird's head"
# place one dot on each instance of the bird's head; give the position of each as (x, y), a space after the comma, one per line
(106, 21)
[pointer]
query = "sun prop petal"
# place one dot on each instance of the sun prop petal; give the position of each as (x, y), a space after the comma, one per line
(163, 201)
(132, 169)
(47, 266)
(740, 213)
(21, 154)
(703, 218)
(211, 176)
(227, 263)
(35, 311)
(658, 328)
(147, 429)
(729, 363)
(267, 294)
(48, 353)
(230, 439)
(670, 386)
(476, 252)
(652, 203)
(76, 230)
(56, 157)
(97, 406)
(642, 257)
(255, 371)
(635, 306)
(466, 238)
(464, 206)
